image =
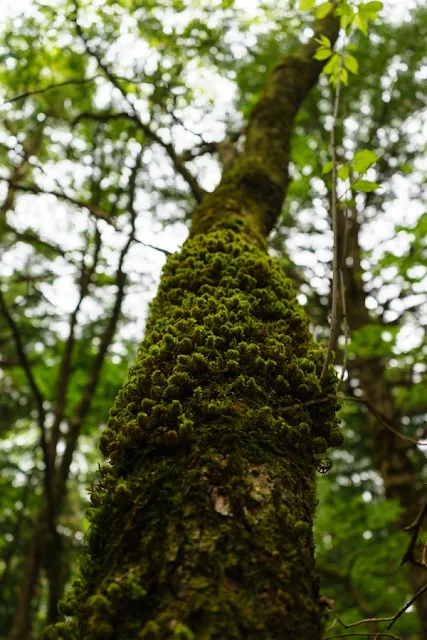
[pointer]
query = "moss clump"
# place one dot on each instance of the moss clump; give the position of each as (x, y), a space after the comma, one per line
(207, 503)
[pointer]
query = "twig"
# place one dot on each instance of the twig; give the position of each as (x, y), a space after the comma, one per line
(86, 276)
(343, 296)
(368, 405)
(85, 403)
(49, 87)
(407, 605)
(195, 188)
(368, 634)
(96, 211)
(415, 527)
(335, 263)
(39, 398)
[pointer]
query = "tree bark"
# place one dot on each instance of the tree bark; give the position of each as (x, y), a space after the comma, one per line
(202, 519)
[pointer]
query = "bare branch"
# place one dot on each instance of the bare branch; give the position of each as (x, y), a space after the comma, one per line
(64, 371)
(56, 85)
(375, 634)
(94, 210)
(30, 237)
(334, 213)
(369, 406)
(407, 605)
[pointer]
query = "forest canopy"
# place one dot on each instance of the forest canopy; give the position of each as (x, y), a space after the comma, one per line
(120, 119)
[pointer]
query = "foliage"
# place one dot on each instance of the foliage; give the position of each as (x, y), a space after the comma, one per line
(91, 130)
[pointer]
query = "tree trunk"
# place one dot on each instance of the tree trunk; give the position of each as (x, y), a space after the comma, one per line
(202, 520)
(22, 620)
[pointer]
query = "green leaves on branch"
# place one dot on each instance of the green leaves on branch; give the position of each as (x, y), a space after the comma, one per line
(348, 11)
(365, 185)
(361, 162)
(351, 64)
(306, 5)
(323, 9)
(334, 68)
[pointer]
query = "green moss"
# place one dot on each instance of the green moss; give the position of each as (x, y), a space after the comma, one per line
(202, 519)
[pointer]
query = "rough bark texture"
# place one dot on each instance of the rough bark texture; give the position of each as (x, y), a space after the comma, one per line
(202, 520)
(202, 526)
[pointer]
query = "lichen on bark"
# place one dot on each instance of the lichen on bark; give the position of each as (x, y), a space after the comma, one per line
(201, 524)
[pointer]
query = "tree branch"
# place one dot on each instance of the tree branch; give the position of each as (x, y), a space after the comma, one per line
(259, 179)
(39, 398)
(195, 188)
(56, 85)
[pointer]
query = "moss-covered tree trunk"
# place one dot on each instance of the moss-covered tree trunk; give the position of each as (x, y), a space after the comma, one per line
(202, 520)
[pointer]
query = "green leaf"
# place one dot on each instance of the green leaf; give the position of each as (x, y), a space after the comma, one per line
(323, 9)
(347, 203)
(344, 76)
(365, 185)
(322, 53)
(324, 41)
(351, 64)
(306, 5)
(332, 65)
(363, 160)
(369, 9)
(361, 24)
(344, 9)
(376, 5)
(327, 167)
(344, 172)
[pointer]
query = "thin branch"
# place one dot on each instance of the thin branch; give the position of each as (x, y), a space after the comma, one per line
(100, 116)
(29, 236)
(39, 398)
(345, 580)
(87, 397)
(65, 367)
(334, 213)
(23, 359)
(94, 210)
(56, 85)
(152, 246)
(368, 634)
(407, 605)
(195, 188)
(415, 527)
(367, 404)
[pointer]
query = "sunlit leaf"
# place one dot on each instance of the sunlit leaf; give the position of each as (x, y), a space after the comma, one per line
(322, 54)
(369, 9)
(344, 172)
(332, 65)
(351, 64)
(323, 9)
(327, 167)
(363, 160)
(306, 5)
(365, 185)
(361, 24)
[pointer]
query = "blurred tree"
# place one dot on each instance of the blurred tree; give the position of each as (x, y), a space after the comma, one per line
(114, 131)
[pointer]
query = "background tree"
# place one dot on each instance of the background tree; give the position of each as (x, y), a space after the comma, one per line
(50, 137)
